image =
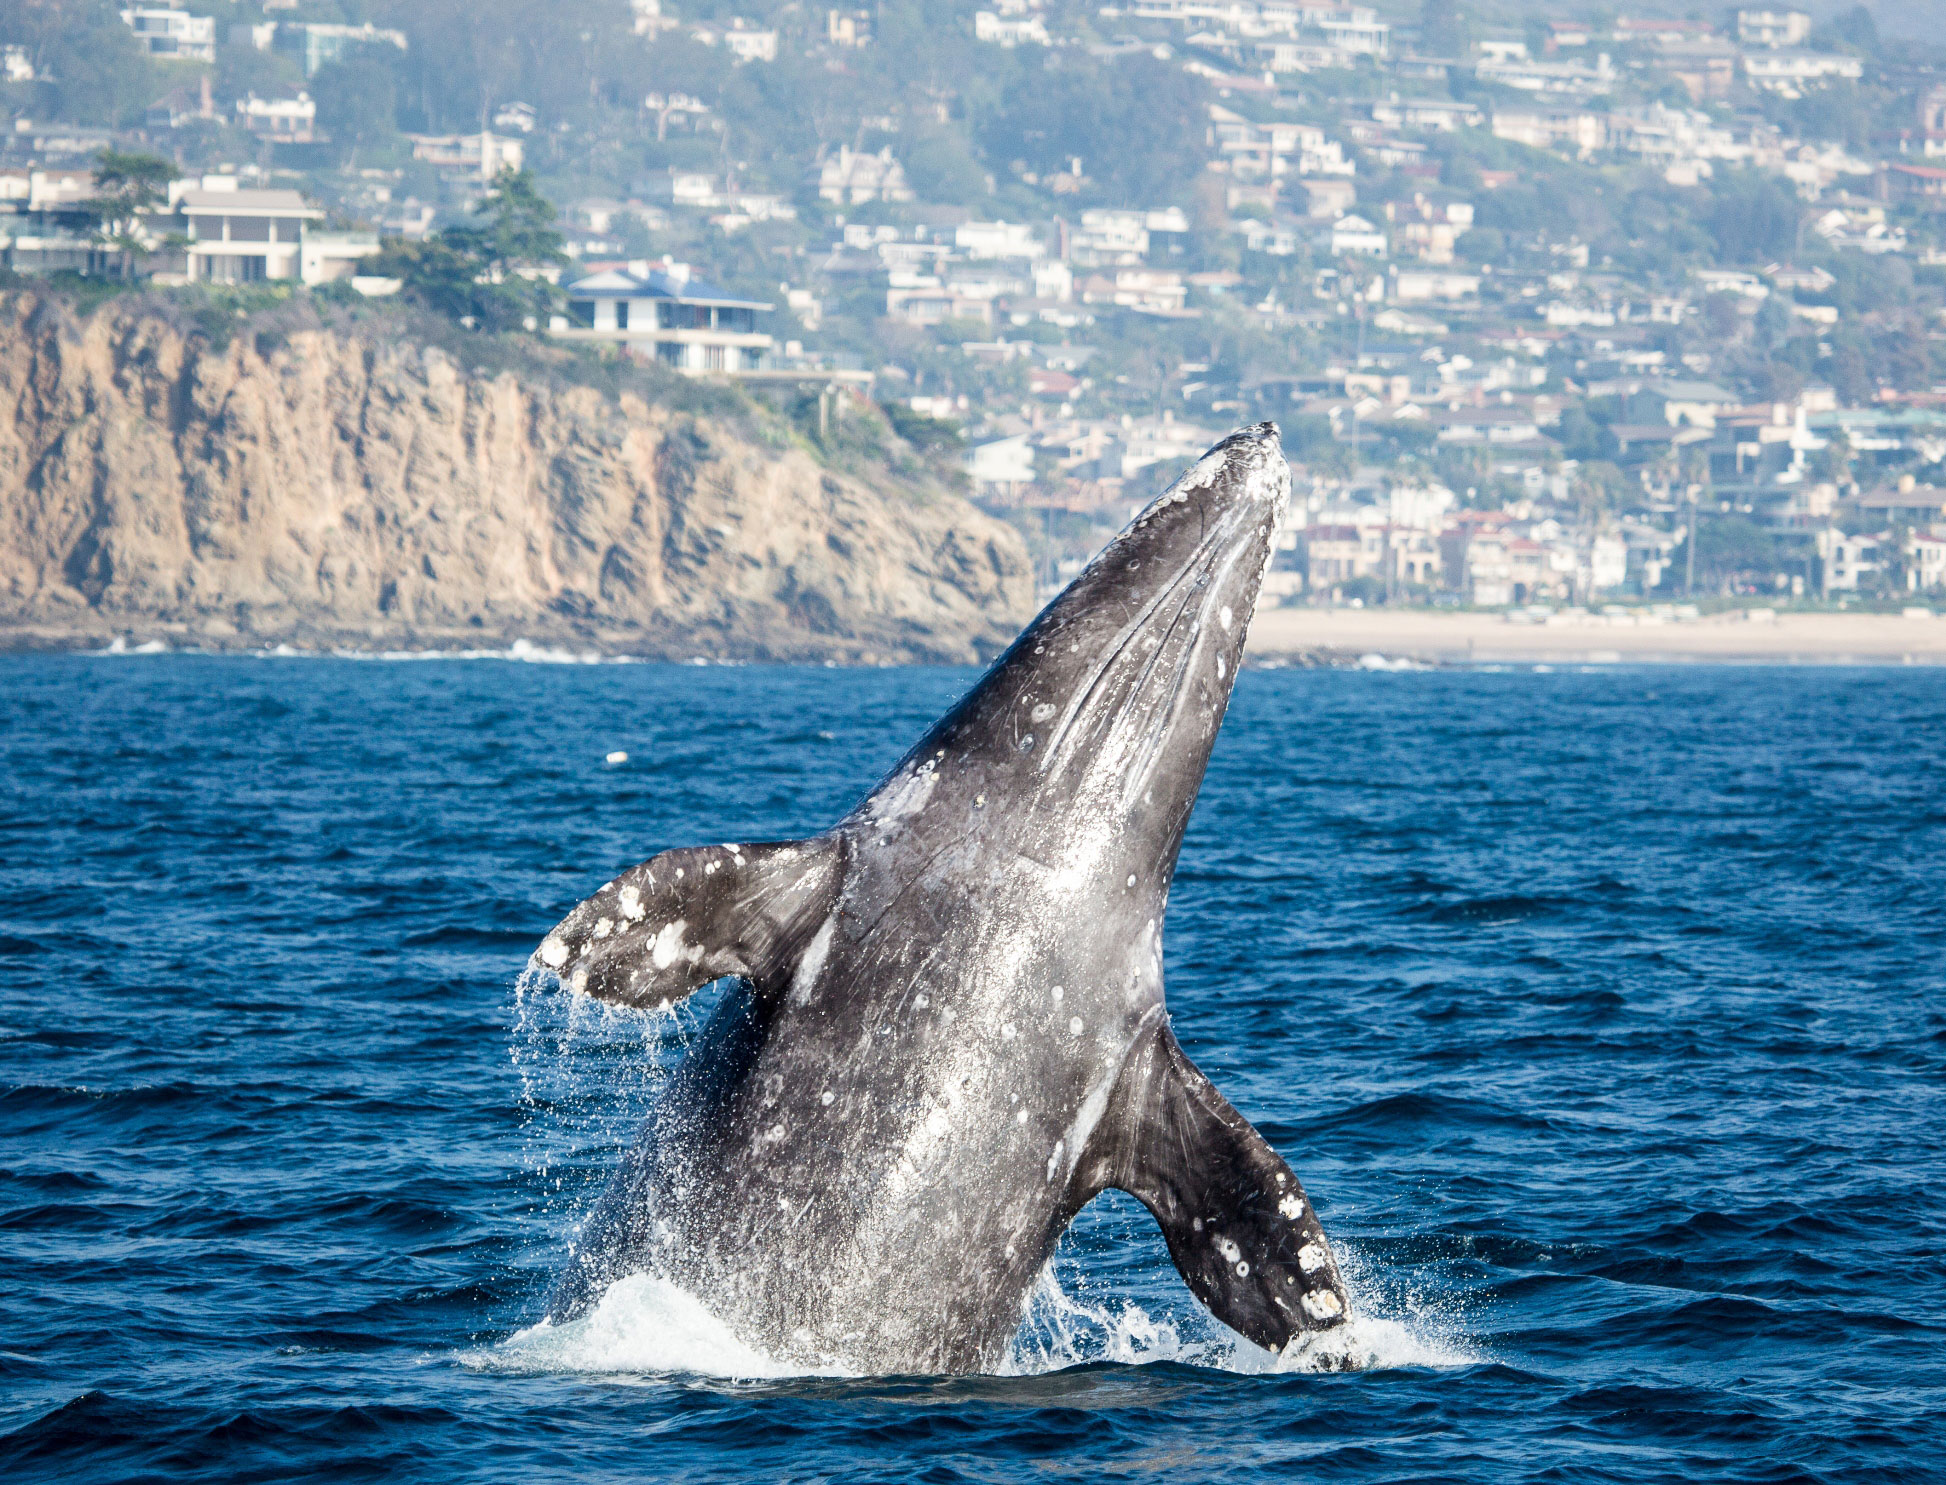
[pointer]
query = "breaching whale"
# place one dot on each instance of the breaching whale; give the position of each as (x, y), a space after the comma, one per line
(947, 1033)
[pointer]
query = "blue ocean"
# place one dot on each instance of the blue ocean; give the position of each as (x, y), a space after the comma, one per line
(1602, 1013)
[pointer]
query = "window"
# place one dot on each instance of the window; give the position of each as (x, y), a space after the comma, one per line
(621, 314)
(235, 268)
(672, 315)
(581, 313)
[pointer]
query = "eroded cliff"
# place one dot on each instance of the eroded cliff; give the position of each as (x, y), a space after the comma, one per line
(342, 484)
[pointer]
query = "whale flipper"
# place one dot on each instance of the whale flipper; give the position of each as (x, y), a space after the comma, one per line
(1237, 1221)
(686, 917)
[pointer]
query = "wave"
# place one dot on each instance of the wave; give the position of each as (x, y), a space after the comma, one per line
(523, 650)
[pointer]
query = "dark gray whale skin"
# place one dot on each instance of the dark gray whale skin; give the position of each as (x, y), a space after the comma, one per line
(949, 1034)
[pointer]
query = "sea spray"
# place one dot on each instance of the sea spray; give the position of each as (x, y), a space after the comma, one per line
(589, 1076)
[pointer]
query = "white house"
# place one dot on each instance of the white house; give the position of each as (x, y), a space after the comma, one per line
(1000, 466)
(239, 236)
(997, 240)
(853, 178)
(279, 120)
(1009, 31)
(484, 154)
(665, 312)
(1773, 28)
(749, 43)
(1353, 234)
(1788, 73)
(1422, 285)
(334, 257)
(167, 32)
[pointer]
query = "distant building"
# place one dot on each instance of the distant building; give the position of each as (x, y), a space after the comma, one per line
(852, 178)
(1675, 403)
(1925, 561)
(665, 312)
(485, 154)
(1908, 183)
(1000, 467)
(1422, 285)
(240, 236)
(851, 28)
(1847, 562)
(334, 257)
(517, 117)
(1011, 30)
(649, 20)
(1577, 131)
(317, 44)
(1352, 234)
(1773, 28)
(279, 120)
(922, 299)
(750, 43)
(997, 240)
(167, 32)
(1906, 503)
(1790, 73)
(743, 41)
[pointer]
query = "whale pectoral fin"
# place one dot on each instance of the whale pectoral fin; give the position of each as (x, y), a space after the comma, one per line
(1236, 1219)
(681, 919)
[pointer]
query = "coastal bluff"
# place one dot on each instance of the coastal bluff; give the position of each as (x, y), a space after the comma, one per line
(335, 481)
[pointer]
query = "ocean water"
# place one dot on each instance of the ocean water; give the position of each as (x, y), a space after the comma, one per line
(1601, 1012)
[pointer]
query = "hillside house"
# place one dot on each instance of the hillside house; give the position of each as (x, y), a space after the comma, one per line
(852, 178)
(164, 31)
(666, 313)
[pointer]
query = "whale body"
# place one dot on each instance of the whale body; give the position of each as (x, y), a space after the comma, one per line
(947, 1031)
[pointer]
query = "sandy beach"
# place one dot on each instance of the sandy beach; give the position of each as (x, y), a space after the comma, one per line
(1486, 638)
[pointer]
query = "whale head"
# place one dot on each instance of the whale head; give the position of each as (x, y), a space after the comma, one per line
(1092, 732)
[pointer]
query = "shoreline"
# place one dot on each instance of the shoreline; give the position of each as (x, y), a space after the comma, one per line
(1278, 636)
(1436, 638)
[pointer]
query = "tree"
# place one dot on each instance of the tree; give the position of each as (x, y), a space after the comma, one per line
(128, 185)
(1729, 548)
(1440, 30)
(1137, 125)
(487, 273)
(1855, 28)
(93, 69)
(357, 99)
(1753, 217)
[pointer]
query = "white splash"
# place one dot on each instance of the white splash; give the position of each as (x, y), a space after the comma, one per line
(589, 1073)
(642, 1325)
(1061, 1330)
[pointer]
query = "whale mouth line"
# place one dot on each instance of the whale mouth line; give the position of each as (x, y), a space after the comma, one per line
(1200, 564)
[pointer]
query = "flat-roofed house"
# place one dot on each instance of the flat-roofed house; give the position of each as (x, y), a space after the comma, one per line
(239, 236)
(165, 31)
(667, 313)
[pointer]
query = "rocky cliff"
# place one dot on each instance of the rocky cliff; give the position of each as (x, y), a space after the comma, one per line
(340, 482)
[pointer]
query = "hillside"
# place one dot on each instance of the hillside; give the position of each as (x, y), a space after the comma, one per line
(301, 480)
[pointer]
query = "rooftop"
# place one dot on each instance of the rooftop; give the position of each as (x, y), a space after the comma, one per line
(684, 288)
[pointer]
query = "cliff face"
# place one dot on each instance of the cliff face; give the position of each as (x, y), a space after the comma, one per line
(329, 486)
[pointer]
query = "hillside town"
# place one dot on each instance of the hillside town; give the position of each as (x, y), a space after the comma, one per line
(1624, 309)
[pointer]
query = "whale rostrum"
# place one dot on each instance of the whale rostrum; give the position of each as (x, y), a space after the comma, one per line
(947, 1032)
